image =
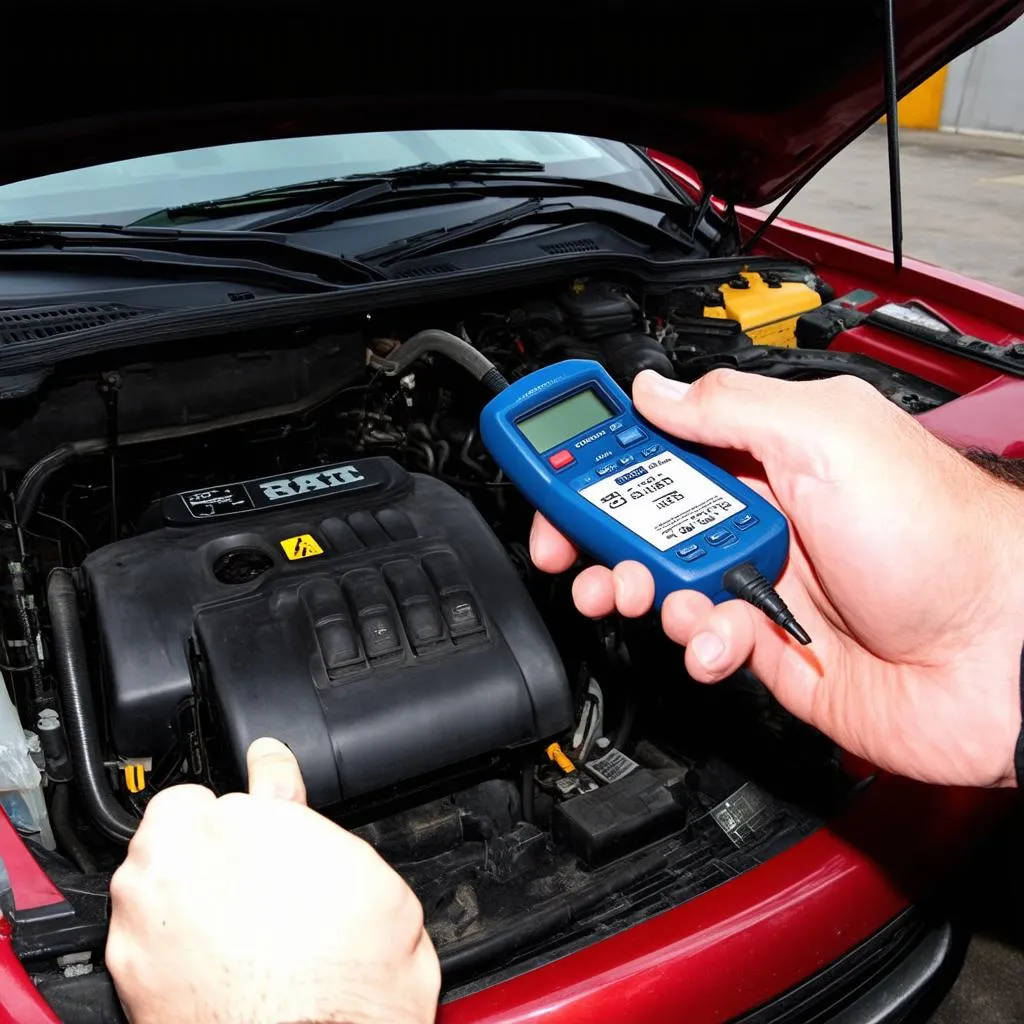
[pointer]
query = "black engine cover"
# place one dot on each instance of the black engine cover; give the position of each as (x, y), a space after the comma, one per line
(374, 623)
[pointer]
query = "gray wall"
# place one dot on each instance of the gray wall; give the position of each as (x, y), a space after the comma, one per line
(985, 87)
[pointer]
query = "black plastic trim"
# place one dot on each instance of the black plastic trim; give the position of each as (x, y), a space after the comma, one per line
(266, 313)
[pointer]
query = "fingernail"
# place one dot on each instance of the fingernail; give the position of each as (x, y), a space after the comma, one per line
(271, 789)
(274, 772)
(277, 787)
(660, 386)
(282, 790)
(707, 648)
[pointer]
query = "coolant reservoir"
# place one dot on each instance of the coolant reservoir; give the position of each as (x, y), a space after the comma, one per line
(21, 784)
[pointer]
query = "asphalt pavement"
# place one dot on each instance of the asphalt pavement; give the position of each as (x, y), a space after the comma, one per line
(963, 201)
(963, 208)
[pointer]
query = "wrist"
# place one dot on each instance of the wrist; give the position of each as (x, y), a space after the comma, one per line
(362, 1011)
(343, 1002)
(1013, 566)
(1000, 622)
(1017, 779)
(374, 1002)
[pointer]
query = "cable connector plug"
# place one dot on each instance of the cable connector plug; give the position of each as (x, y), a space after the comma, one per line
(749, 585)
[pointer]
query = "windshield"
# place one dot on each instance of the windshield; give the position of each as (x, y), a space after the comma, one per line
(128, 189)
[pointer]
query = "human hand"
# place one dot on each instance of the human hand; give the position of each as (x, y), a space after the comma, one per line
(906, 568)
(254, 908)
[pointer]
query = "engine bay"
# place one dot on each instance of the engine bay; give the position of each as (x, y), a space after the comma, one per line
(374, 624)
(283, 534)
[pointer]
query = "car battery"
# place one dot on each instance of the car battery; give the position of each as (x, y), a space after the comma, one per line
(764, 304)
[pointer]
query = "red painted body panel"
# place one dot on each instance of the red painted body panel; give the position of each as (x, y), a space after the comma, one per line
(991, 417)
(903, 354)
(741, 944)
(973, 307)
(979, 308)
(747, 941)
(20, 1001)
(850, 263)
(32, 887)
(982, 310)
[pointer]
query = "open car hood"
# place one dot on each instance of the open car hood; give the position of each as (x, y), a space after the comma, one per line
(754, 96)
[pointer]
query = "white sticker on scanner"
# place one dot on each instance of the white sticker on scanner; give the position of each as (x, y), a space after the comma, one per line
(663, 500)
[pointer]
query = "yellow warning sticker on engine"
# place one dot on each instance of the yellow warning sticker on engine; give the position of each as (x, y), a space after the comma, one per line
(303, 546)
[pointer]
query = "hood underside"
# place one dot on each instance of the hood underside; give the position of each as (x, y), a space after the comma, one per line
(754, 96)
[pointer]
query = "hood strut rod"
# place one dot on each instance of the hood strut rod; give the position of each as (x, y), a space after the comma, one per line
(775, 211)
(892, 132)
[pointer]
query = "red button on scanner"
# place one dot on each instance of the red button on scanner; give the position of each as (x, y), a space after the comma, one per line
(561, 459)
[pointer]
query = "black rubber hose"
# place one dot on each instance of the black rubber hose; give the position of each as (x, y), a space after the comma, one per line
(543, 920)
(64, 830)
(32, 483)
(79, 714)
(626, 725)
(451, 346)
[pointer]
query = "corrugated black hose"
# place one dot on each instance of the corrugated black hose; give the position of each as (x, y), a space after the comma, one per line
(38, 689)
(78, 711)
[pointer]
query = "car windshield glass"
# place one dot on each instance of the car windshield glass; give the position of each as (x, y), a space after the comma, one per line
(122, 192)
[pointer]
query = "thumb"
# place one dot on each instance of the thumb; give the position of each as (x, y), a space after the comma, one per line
(274, 772)
(775, 420)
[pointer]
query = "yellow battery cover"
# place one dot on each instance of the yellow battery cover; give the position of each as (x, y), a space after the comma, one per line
(766, 314)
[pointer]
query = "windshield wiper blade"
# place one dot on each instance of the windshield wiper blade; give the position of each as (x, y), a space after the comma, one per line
(438, 238)
(433, 189)
(254, 247)
(379, 182)
(53, 233)
(449, 169)
(395, 182)
(269, 198)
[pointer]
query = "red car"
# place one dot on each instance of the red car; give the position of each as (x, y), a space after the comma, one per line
(237, 504)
